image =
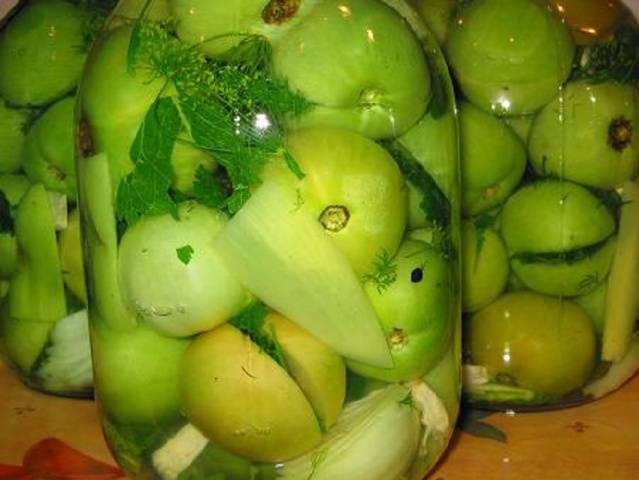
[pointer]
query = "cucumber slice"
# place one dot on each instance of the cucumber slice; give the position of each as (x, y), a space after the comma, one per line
(66, 366)
(96, 191)
(281, 254)
(623, 283)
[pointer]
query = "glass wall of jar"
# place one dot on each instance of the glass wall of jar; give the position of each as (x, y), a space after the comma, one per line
(548, 112)
(269, 197)
(44, 335)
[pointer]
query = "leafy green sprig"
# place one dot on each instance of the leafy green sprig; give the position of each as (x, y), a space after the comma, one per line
(231, 108)
(384, 272)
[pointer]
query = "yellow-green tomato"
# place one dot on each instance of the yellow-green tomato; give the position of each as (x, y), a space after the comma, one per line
(484, 266)
(70, 250)
(137, 374)
(415, 312)
(354, 188)
(242, 400)
(544, 344)
(318, 370)
(172, 276)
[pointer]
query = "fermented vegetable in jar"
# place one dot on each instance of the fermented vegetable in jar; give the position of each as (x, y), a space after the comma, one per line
(548, 113)
(269, 199)
(44, 335)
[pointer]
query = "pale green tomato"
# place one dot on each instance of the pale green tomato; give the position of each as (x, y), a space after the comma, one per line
(521, 125)
(41, 52)
(137, 374)
(11, 137)
(588, 134)
(484, 266)
(415, 313)
(49, 152)
(359, 63)
(242, 400)
(172, 276)
(353, 187)
(541, 343)
(509, 56)
(493, 160)
(594, 304)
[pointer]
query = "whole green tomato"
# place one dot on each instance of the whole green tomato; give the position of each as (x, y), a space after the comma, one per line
(354, 188)
(588, 134)
(42, 52)
(509, 56)
(11, 137)
(540, 343)
(415, 313)
(493, 160)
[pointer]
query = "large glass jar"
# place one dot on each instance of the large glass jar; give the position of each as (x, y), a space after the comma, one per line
(44, 335)
(269, 195)
(548, 119)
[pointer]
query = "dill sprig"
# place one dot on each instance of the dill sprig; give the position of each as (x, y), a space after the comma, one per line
(615, 59)
(232, 108)
(384, 272)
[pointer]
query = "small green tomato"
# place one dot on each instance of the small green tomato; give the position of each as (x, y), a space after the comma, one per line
(415, 313)
(540, 343)
(172, 276)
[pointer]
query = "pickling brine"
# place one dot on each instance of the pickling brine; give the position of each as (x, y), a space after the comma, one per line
(269, 200)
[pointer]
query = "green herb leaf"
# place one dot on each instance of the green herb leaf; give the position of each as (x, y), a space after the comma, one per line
(482, 223)
(207, 190)
(568, 257)
(384, 273)
(251, 321)
(185, 254)
(434, 203)
(6, 221)
(145, 191)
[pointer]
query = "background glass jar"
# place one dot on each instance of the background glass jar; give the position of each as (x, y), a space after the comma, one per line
(44, 335)
(548, 109)
(269, 199)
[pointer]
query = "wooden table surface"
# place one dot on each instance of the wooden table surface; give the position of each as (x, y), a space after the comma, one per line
(598, 441)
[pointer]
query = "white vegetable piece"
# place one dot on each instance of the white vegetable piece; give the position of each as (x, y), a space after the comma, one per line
(179, 452)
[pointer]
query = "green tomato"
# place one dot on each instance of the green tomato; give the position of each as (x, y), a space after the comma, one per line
(157, 10)
(521, 125)
(509, 56)
(541, 343)
(493, 160)
(114, 103)
(49, 152)
(242, 400)
(8, 255)
(484, 267)
(137, 374)
(172, 276)
(11, 137)
(415, 311)
(359, 63)
(588, 134)
(41, 54)
(353, 187)
(594, 304)
(14, 186)
(554, 216)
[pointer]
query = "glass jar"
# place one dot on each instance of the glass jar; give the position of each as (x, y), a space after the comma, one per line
(44, 335)
(549, 153)
(269, 199)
